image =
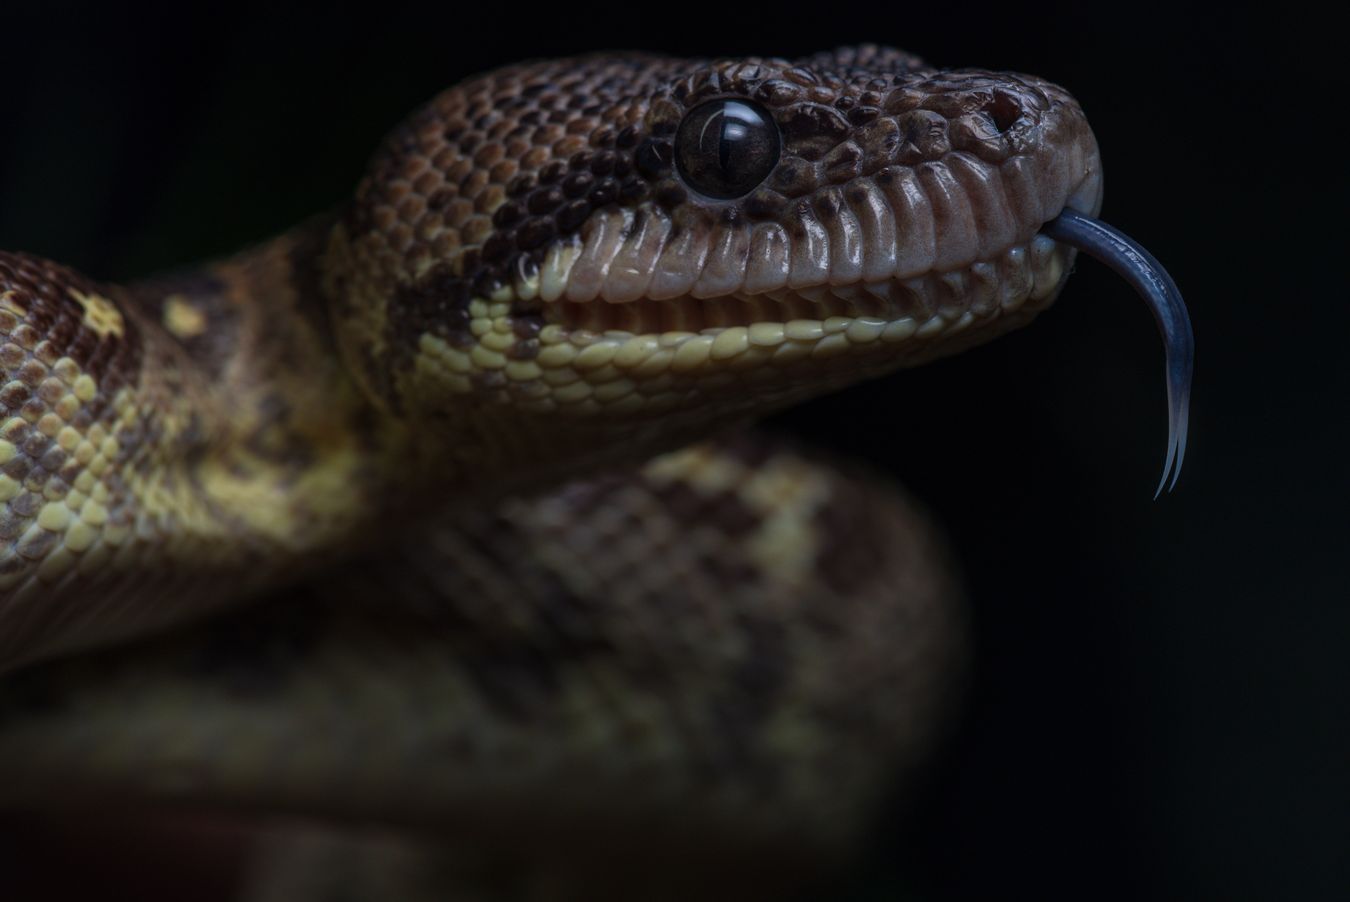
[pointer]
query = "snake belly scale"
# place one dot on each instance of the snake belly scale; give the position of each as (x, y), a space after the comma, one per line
(450, 469)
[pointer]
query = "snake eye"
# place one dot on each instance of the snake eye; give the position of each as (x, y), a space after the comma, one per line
(724, 148)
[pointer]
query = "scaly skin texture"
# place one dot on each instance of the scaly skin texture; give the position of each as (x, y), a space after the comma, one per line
(530, 286)
(726, 655)
(147, 479)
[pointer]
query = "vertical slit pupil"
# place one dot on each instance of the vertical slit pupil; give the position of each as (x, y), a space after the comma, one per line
(725, 148)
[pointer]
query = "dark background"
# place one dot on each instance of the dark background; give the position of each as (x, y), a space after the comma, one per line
(1162, 693)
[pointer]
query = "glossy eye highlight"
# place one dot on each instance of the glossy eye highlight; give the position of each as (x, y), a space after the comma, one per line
(725, 148)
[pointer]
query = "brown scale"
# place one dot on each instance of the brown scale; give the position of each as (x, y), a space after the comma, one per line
(53, 325)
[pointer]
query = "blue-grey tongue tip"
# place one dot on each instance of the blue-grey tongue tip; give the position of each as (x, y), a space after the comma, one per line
(1138, 267)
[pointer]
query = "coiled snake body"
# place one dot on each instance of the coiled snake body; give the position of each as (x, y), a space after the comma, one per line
(441, 442)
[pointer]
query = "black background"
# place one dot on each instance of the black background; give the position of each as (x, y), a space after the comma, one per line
(1162, 693)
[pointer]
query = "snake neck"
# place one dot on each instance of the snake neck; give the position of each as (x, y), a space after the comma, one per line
(270, 439)
(195, 439)
(192, 438)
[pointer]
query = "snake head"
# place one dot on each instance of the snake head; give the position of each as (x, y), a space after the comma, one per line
(645, 244)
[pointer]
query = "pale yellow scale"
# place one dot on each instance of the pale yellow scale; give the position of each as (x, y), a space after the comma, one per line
(77, 512)
(183, 319)
(100, 315)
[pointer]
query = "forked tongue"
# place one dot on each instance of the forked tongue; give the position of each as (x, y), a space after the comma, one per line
(1156, 287)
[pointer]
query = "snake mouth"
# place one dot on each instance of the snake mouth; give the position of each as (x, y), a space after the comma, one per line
(652, 357)
(646, 313)
(950, 279)
(798, 322)
(906, 258)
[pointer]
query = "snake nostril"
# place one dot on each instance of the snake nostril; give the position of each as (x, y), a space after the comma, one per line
(1003, 110)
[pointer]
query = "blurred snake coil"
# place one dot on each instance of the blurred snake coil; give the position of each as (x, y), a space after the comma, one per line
(441, 512)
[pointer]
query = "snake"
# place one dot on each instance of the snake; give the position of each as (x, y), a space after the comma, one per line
(443, 512)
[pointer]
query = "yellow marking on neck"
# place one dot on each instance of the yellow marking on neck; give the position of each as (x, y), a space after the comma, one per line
(7, 302)
(181, 318)
(100, 315)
